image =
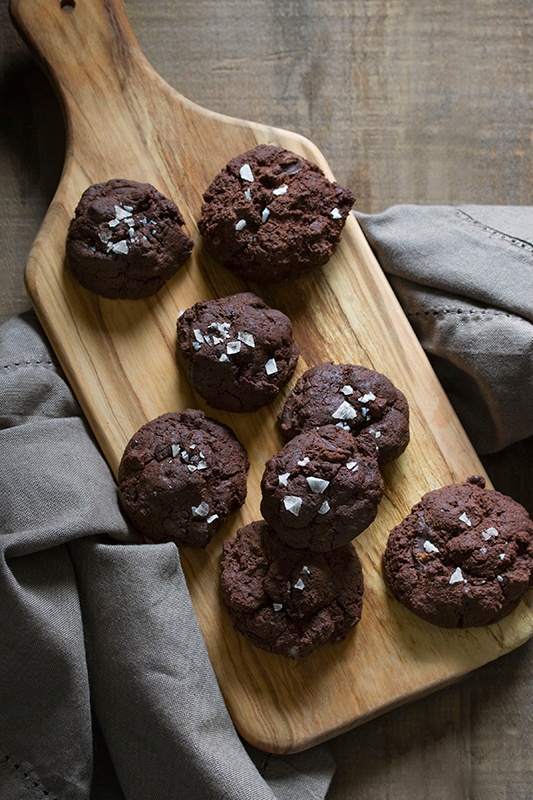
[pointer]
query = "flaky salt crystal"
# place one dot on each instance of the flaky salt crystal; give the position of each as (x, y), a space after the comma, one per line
(121, 247)
(457, 577)
(344, 411)
(246, 173)
(246, 338)
(317, 485)
(121, 213)
(200, 511)
(292, 504)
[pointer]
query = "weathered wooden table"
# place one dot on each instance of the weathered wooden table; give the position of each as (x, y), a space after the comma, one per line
(422, 102)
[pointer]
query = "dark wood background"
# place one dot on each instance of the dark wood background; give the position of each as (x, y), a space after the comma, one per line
(411, 101)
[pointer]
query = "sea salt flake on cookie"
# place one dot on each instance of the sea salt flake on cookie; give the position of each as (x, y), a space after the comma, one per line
(246, 173)
(121, 247)
(282, 479)
(317, 485)
(292, 504)
(246, 338)
(121, 213)
(457, 577)
(344, 411)
(200, 511)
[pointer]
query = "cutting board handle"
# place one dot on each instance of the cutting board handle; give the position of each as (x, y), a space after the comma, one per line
(87, 48)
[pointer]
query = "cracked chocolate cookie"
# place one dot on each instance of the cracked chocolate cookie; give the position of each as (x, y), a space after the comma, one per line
(238, 351)
(180, 476)
(271, 215)
(353, 397)
(289, 601)
(463, 557)
(322, 488)
(126, 240)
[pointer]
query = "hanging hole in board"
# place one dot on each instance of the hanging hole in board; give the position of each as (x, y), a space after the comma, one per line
(68, 6)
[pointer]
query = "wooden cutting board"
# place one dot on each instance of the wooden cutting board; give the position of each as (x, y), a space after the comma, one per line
(123, 120)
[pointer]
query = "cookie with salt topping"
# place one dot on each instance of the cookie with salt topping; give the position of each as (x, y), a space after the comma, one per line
(237, 351)
(180, 477)
(463, 557)
(126, 239)
(322, 488)
(354, 398)
(271, 215)
(288, 601)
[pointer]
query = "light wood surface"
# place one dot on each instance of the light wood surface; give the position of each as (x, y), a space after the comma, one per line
(123, 120)
(429, 103)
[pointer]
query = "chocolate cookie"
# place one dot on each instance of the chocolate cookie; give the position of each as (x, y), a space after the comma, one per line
(180, 476)
(125, 240)
(271, 215)
(463, 557)
(322, 488)
(354, 398)
(289, 601)
(238, 352)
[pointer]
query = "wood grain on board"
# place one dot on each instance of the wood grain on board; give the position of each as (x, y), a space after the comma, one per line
(123, 120)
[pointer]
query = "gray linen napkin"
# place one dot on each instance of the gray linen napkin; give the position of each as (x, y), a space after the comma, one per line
(464, 276)
(92, 618)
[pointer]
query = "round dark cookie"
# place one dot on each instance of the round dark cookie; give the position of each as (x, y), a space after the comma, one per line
(322, 488)
(270, 215)
(289, 601)
(180, 476)
(463, 557)
(354, 398)
(238, 352)
(126, 239)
